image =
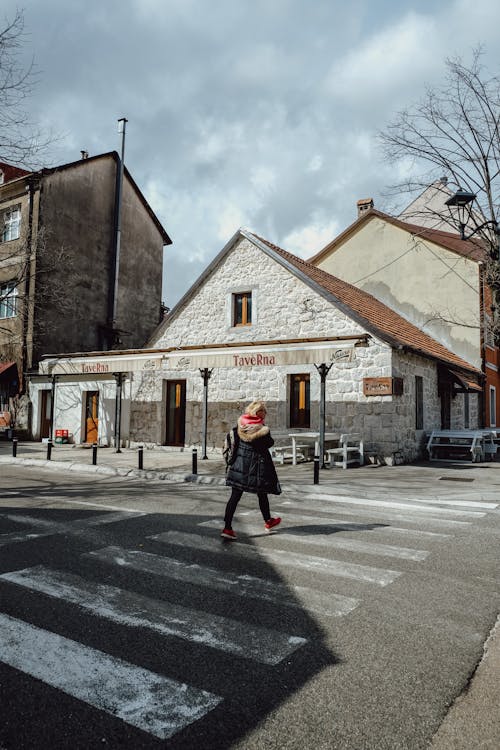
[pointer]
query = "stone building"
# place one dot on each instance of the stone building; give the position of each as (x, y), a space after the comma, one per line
(261, 323)
(71, 277)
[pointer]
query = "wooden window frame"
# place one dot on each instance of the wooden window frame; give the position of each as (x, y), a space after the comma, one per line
(11, 224)
(8, 300)
(493, 405)
(246, 316)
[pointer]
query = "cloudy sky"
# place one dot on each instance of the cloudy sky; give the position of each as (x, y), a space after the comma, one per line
(255, 113)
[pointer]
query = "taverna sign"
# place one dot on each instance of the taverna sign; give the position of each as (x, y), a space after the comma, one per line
(190, 358)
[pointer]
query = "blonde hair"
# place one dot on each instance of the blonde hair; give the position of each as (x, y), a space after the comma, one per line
(254, 407)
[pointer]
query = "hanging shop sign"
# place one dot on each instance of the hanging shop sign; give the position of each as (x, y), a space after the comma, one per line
(101, 366)
(383, 386)
(239, 359)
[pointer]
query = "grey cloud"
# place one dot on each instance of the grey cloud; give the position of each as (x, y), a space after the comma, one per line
(222, 95)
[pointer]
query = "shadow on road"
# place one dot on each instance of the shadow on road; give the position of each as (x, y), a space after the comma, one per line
(77, 543)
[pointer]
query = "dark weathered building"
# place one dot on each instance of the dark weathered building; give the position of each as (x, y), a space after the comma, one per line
(72, 276)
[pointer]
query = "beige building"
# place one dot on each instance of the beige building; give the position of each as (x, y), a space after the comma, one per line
(430, 277)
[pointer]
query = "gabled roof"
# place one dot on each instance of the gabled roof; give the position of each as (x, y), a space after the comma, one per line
(78, 163)
(471, 249)
(114, 155)
(375, 317)
(10, 172)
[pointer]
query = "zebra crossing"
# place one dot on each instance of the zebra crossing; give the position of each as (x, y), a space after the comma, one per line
(317, 536)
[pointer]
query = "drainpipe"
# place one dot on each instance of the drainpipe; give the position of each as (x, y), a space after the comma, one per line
(52, 407)
(483, 338)
(115, 271)
(119, 376)
(31, 186)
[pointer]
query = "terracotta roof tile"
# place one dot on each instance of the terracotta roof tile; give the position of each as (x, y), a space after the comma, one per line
(379, 318)
(11, 172)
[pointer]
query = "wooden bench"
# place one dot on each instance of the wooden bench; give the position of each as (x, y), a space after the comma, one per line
(350, 451)
(444, 445)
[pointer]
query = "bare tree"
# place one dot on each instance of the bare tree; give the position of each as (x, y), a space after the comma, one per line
(20, 139)
(455, 131)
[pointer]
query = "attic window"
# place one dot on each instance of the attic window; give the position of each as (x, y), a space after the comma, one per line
(1, 177)
(242, 309)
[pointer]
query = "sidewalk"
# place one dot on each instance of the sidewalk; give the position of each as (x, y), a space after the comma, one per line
(176, 464)
(473, 721)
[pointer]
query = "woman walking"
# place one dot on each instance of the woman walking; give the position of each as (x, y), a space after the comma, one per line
(252, 469)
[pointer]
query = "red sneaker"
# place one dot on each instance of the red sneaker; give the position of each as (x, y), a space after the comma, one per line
(228, 534)
(272, 523)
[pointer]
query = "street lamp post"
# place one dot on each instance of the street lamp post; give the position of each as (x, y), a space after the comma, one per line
(205, 374)
(462, 202)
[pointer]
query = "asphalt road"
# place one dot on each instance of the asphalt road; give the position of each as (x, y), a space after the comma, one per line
(127, 622)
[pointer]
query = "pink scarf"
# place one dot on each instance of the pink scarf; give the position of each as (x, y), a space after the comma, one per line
(247, 420)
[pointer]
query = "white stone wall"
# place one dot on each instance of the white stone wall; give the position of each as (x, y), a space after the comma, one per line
(283, 307)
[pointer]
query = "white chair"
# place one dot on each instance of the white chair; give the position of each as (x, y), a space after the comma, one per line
(350, 451)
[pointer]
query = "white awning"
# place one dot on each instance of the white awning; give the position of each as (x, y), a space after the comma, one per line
(237, 357)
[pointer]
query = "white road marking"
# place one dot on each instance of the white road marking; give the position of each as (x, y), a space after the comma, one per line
(99, 505)
(292, 516)
(368, 502)
(62, 499)
(328, 605)
(148, 701)
(50, 526)
(386, 516)
(334, 541)
(456, 502)
(15, 537)
(429, 535)
(336, 568)
(127, 608)
(48, 523)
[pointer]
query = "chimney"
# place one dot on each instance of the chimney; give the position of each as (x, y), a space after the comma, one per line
(364, 205)
(85, 154)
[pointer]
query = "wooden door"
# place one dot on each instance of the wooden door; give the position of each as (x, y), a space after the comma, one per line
(300, 406)
(45, 410)
(91, 416)
(176, 412)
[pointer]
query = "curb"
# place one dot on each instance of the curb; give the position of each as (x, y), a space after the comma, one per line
(149, 474)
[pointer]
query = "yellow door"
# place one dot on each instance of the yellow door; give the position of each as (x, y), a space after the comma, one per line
(91, 416)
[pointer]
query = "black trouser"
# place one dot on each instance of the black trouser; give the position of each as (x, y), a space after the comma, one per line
(235, 499)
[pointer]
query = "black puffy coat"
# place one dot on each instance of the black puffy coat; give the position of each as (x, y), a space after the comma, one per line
(253, 469)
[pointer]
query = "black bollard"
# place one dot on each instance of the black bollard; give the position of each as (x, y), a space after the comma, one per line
(141, 456)
(195, 461)
(49, 450)
(316, 469)
(14, 447)
(94, 454)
